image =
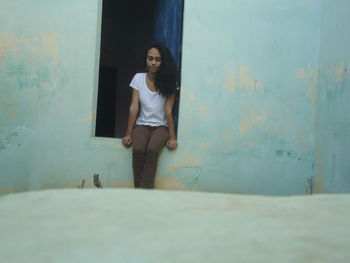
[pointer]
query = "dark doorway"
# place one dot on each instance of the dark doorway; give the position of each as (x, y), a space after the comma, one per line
(127, 28)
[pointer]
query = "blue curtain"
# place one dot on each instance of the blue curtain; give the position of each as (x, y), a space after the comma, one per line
(168, 30)
(168, 26)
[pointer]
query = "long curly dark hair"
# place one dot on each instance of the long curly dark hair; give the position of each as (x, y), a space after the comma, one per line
(167, 78)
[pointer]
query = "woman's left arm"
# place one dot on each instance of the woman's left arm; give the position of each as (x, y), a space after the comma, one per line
(169, 104)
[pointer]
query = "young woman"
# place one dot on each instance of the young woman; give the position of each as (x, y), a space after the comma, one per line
(153, 98)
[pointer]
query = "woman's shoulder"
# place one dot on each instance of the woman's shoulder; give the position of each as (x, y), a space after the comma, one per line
(140, 75)
(138, 80)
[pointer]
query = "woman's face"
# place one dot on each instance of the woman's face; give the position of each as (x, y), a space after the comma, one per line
(153, 60)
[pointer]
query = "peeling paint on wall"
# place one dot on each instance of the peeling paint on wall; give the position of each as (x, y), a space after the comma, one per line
(309, 74)
(6, 190)
(127, 184)
(243, 79)
(332, 133)
(49, 43)
(312, 95)
(306, 73)
(339, 71)
(205, 111)
(9, 110)
(227, 137)
(168, 182)
(186, 160)
(2, 53)
(191, 96)
(15, 137)
(230, 83)
(41, 44)
(246, 80)
(89, 119)
(318, 184)
(251, 119)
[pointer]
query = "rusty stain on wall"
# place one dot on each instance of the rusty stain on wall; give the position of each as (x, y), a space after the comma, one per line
(168, 182)
(312, 95)
(2, 53)
(318, 171)
(8, 42)
(205, 111)
(6, 190)
(186, 160)
(9, 110)
(42, 44)
(339, 72)
(49, 43)
(306, 73)
(251, 119)
(230, 83)
(89, 119)
(191, 96)
(227, 137)
(246, 80)
(126, 184)
(310, 74)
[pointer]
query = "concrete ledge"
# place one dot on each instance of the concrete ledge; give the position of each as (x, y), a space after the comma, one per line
(126, 225)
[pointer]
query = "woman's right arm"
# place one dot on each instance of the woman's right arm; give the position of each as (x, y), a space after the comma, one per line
(133, 111)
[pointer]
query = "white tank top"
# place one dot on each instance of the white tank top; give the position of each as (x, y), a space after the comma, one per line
(152, 103)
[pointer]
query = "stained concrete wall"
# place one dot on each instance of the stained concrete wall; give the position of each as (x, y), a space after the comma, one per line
(333, 93)
(249, 113)
(248, 103)
(49, 56)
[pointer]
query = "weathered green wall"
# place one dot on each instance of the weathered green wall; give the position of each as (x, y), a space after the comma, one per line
(248, 107)
(333, 108)
(248, 101)
(49, 54)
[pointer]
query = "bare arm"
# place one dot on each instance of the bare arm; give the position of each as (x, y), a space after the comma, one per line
(133, 111)
(172, 143)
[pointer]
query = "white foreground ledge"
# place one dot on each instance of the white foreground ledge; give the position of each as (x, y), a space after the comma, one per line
(127, 225)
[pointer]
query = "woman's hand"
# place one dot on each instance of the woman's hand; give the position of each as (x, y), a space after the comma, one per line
(171, 144)
(127, 141)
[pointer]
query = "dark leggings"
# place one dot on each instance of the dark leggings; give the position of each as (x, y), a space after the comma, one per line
(148, 141)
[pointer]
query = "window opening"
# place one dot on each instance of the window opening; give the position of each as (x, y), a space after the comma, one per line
(127, 28)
